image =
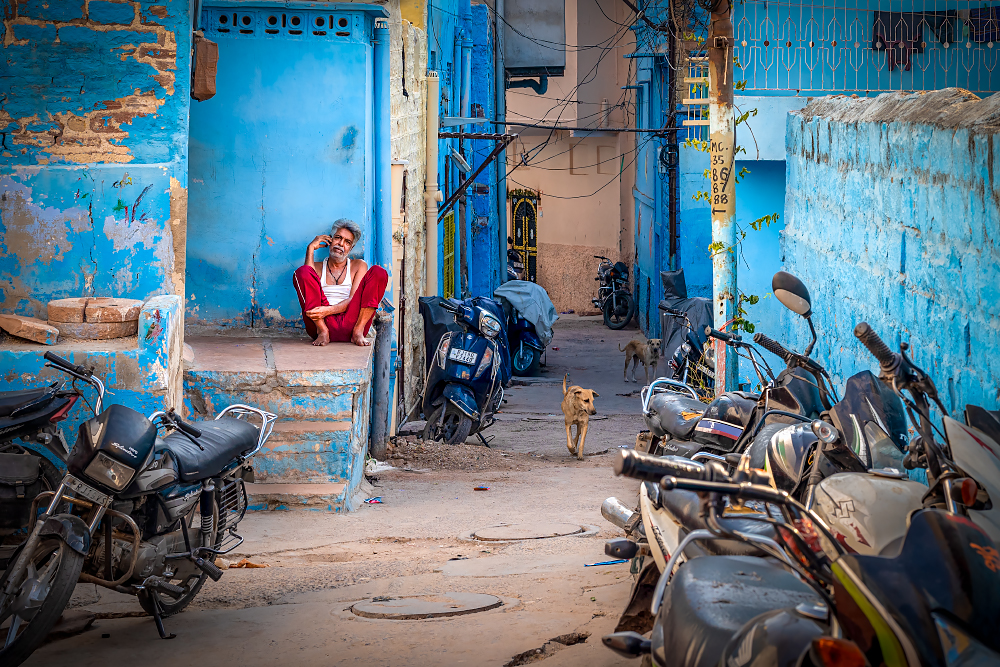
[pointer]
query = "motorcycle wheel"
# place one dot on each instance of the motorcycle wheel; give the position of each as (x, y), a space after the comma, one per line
(619, 309)
(454, 430)
(52, 572)
(525, 361)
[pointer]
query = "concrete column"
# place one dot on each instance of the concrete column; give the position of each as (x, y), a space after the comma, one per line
(431, 193)
(723, 195)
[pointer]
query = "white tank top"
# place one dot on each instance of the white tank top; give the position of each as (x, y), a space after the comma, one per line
(336, 293)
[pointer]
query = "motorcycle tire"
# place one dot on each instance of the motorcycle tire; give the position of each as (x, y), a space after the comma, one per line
(525, 362)
(619, 309)
(455, 429)
(62, 577)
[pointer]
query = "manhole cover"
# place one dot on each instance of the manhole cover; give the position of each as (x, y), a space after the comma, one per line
(527, 531)
(426, 606)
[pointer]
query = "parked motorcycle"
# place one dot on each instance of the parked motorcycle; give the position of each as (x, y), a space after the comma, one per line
(515, 263)
(614, 298)
(693, 362)
(136, 513)
(929, 598)
(468, 372)
(525, 346)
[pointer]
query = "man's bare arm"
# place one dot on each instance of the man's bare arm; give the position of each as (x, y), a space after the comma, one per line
(321, 241)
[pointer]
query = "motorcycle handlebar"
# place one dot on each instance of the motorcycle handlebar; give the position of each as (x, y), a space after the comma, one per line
(773, 346)
(649, 468)
(875, 345)
(722, 335)
(66, 365)
(743, 491)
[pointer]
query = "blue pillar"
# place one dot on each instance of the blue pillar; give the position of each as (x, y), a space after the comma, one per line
(382, 214)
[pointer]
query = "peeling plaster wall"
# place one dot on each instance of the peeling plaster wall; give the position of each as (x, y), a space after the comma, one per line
(893, 217)
(408, 62)
(94, 100)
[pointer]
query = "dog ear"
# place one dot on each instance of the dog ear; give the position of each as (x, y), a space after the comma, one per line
(595, 394)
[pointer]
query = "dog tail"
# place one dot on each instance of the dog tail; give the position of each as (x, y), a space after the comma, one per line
(565, 377)
(620, 348)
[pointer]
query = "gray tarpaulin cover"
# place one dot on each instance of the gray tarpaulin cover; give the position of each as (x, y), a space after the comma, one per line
(533, 303)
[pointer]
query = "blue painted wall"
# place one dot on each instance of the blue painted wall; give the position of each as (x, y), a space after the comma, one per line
(893, 219)
(93, 121)
(484, 261)
(283, 150)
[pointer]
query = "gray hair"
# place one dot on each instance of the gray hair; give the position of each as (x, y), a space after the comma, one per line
(351, 226)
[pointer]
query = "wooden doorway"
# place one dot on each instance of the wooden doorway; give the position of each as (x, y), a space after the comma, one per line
(524, 213)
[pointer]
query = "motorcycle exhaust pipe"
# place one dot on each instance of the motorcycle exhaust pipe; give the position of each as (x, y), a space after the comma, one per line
(613, 510)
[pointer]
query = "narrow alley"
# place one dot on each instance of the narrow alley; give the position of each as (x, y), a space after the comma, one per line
(419, 542)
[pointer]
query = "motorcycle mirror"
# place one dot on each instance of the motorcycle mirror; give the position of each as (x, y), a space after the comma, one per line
(792, 293)
(510, 240)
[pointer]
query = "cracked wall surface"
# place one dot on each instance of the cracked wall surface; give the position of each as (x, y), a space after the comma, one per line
(93, 135)
(893, 217)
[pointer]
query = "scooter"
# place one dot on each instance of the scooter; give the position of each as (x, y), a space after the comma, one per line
(525, 346)
(929, 598)
(470, 368)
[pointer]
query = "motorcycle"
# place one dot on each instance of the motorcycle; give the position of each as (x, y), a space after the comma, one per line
(525, 345)
(692, 363)
(468, 372)
(135, 512)
(515, 263)
(613, 296)
(929, 598)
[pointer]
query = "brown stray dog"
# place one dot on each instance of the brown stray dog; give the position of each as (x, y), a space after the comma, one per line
(647, 353)
(577, 406)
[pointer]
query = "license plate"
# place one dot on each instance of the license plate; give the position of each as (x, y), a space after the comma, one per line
(462, 356)
(87, 491)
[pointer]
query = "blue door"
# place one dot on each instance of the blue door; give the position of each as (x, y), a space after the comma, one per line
(278, 154)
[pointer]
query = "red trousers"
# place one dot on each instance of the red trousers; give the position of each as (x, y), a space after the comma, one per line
(368, 295)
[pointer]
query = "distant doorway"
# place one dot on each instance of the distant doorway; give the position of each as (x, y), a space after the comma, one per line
(525, 215)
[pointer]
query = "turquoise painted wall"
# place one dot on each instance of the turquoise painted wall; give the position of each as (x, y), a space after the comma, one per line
(93, 137)
(893, 218)
(285, 148)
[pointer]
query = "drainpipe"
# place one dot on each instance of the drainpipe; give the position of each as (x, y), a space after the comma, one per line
(466, 111)
(431, 193)
(382, 216)
(500, 93)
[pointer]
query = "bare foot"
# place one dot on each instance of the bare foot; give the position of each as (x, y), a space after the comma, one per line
(322, 335)
(358, 338)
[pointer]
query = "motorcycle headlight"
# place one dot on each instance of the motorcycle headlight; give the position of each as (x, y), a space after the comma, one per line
(489, 325)
(441, 356)
(108, 472)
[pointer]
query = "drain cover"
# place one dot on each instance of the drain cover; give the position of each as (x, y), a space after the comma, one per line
(527, 531)
(426, 606)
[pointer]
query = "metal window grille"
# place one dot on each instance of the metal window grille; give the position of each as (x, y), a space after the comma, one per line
(448, 268)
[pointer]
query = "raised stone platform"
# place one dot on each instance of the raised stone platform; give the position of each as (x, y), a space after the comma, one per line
(315, 456)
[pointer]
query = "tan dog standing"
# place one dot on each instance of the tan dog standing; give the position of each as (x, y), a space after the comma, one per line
(648, 354)
(577, 406)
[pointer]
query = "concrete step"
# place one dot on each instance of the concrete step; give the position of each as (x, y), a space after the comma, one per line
(308, 452)
(329, 497)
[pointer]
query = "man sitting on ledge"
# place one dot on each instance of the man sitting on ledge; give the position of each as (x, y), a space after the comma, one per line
(339, 296)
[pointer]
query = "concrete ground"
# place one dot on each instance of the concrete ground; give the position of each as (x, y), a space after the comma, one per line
(297, 610)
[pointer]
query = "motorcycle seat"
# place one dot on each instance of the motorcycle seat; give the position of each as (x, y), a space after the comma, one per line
(710, 599)
(679, 414)
(10, 401)
(223, 439)
(683, 507)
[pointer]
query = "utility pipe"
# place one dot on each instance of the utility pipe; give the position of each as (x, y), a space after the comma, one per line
(382, 215)
(722, 125)
(432, 195)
